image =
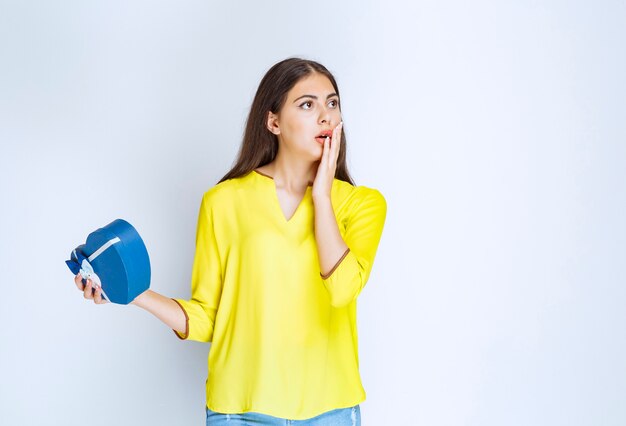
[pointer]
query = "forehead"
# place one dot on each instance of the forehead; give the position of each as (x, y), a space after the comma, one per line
(314, 84)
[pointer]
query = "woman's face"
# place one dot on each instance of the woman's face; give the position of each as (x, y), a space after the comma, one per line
(311, 107)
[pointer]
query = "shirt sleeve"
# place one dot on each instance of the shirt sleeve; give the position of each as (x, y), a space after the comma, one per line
(364, 228)
(206, 280)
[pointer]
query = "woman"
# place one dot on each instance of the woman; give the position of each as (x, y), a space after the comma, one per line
(285, 243)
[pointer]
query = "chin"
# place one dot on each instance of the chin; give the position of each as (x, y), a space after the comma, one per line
(318, 155)
(314, 153)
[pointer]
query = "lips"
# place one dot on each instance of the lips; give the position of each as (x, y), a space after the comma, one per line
(326, 133)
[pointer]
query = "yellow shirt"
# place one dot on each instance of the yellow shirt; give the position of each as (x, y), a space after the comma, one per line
(284, 338)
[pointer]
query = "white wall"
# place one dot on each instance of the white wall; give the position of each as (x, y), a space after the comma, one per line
(496, 131)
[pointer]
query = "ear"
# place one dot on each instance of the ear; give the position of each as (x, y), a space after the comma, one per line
(272, 123)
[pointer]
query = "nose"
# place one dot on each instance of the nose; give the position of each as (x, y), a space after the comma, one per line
(324, 116)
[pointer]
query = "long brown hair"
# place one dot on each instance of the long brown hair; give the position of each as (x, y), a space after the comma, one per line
(259, 145)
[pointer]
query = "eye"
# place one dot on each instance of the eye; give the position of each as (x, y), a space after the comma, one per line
(334, 103)
(309, 103)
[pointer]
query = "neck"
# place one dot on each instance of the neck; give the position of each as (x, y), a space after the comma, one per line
(292, 174)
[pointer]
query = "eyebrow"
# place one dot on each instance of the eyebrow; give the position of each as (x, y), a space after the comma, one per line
(315, 97)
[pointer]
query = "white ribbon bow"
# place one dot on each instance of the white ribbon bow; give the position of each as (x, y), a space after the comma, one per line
(86, 270)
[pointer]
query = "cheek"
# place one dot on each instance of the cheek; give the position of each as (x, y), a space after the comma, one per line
(297, 130)
(292, 125)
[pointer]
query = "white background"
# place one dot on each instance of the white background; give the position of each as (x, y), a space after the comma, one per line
(495, 130)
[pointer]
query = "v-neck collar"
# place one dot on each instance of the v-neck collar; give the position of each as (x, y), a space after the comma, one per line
(270, 177)
(275, 201)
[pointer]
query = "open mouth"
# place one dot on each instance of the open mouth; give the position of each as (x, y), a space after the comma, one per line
(325, 134)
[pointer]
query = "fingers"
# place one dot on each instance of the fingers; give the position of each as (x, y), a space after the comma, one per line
(337, 132)
(87, 292)
(91, 291)
(336, 145)
(325, 150)
(78, 280)
(97, 297)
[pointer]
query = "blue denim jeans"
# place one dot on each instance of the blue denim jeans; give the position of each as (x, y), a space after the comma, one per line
(350, 416)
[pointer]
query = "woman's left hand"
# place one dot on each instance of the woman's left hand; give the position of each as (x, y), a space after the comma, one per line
(328, 164)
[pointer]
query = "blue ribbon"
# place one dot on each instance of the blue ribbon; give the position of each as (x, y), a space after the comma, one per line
(79, 262)
(76, 261)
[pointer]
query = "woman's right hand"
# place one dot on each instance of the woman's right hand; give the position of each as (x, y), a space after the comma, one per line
(88, 290)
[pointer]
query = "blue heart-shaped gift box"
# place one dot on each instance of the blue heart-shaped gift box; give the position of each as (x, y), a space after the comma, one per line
(116, 256)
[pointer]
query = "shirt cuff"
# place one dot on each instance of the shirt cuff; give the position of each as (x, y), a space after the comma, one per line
(184, 336)
(326, 276)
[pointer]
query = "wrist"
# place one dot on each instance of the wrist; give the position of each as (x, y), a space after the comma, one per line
(138, 301)
(321, 198)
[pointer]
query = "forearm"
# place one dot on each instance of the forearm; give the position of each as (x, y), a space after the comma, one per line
(163, 308)
(330, 245)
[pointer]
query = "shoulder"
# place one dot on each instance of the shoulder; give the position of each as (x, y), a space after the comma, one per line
(347, 198)
(225, 191)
